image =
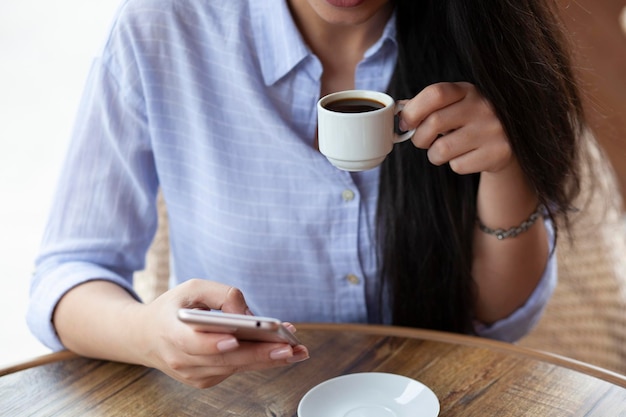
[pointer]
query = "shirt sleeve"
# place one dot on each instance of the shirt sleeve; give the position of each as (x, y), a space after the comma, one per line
(48, 287)
(521, 321)
(103, 214)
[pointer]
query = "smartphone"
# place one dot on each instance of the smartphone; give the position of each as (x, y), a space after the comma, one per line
(250, 328)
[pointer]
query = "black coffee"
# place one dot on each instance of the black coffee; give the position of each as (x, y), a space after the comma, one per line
(354, 105)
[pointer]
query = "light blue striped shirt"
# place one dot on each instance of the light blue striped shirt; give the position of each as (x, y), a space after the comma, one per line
(214, 101)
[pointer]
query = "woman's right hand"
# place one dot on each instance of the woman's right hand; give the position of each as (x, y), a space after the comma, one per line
(203, 359)
(100, 319)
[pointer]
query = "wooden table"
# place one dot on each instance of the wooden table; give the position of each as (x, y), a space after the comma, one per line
(470, 376)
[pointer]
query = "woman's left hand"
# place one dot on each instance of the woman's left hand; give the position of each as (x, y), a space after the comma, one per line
(457, 125)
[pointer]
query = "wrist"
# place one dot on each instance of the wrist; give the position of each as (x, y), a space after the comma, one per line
(136, 343)
(505, 199)
(514, 231)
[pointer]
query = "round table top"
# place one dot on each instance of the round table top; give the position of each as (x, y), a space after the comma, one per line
(470, 376)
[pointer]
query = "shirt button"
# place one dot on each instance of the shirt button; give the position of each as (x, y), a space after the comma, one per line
(353, 279)
(347, 195)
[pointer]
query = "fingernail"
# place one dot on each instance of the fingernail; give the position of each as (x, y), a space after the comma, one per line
(402, 125)
(226, 345)
(281, 353)
(299, 357)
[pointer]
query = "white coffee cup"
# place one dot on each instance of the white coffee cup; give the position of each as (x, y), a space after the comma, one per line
(356, 128)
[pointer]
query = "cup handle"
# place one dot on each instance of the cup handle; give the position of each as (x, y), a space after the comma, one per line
(401, 137)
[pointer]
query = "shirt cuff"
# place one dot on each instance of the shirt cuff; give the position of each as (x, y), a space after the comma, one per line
(48, 287)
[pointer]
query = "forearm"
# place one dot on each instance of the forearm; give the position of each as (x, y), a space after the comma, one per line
(506, 271)
(102, 320)
(97, 319)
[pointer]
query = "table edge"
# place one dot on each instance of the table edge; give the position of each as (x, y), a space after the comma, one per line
(396, 331)
(475, 341)
(38, 361)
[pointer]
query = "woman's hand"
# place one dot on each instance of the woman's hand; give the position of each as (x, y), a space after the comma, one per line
(457, 126)
(100, 319)
(204, 359)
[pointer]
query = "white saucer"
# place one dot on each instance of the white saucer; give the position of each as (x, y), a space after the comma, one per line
(369, 394)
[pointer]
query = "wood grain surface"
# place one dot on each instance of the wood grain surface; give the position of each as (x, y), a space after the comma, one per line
(470, 376)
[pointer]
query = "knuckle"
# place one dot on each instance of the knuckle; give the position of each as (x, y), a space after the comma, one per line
(408, 114)
(263, 351)
(175, 364)
(235, 294)
(213, 381)
(504, 157)
(434, 157)
(194, 283)
(204, 384)
(441, 150)
(419, 142)
(191, 291)
(459, 167)
(204, 381)
(506, 153)
(220, 361)
(435, 121)
(436, 93)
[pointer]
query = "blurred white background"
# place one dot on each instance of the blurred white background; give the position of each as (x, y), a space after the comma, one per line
(46, 48)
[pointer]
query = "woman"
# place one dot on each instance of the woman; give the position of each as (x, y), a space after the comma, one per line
(214, 102)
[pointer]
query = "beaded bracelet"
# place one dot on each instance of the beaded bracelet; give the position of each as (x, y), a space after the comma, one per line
(515, 230)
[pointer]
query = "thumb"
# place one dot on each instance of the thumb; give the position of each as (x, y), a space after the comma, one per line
(235, 302)
(211, 295)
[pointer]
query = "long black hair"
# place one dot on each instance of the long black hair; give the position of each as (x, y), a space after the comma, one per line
(514, 52)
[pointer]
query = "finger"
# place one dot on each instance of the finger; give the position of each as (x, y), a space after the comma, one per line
(201, 343)
(444, 121)
(203, 375)
(253, 354)
(234, 302)
(210, 357)
(437, 124)
(290, 327)
(206, 376)
(200, 293)
(476, 147)
(198, 343)
(450, 146)
(490, 158)
(197, 377)
(231, 364)
(429, 100)
(468, 163)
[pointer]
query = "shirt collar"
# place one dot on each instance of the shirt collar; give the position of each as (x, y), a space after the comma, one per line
(280, 45)
(388, 36)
